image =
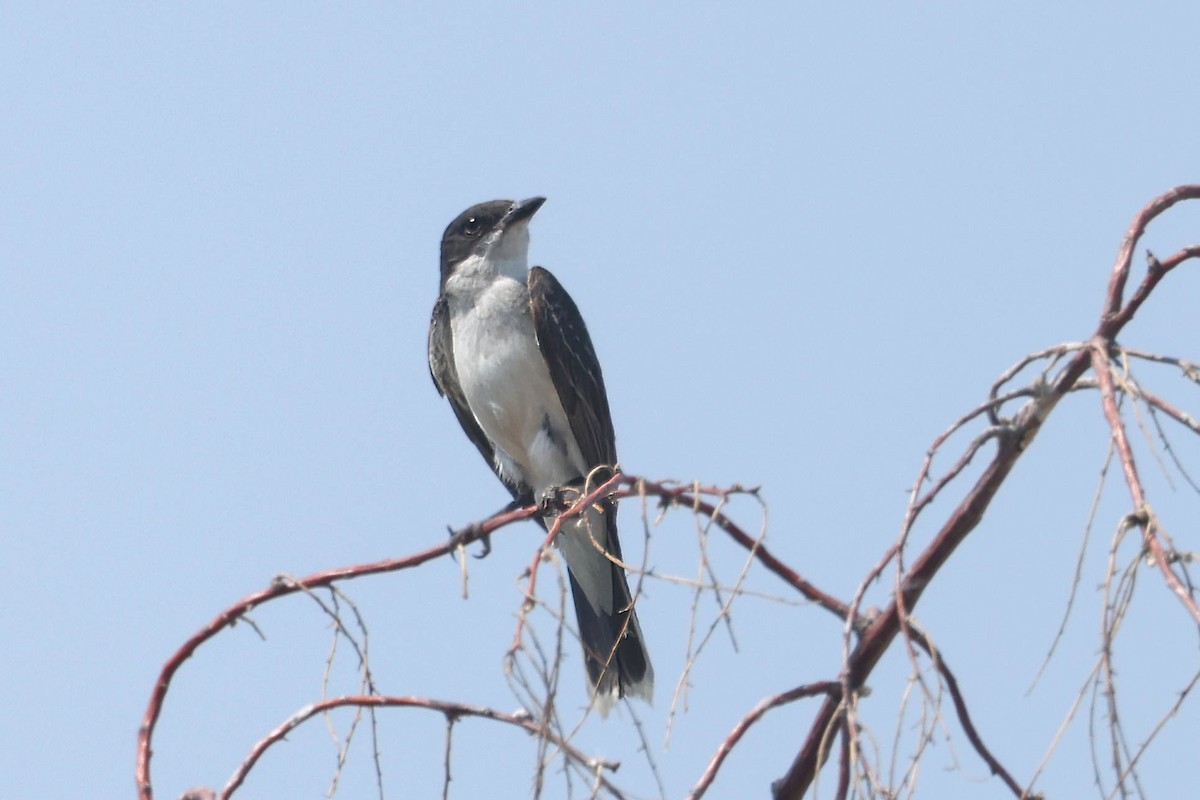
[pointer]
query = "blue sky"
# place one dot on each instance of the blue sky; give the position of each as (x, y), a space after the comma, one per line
(804, 240)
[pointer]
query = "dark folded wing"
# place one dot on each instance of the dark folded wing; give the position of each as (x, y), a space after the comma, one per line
(563, 339)
(614, 650)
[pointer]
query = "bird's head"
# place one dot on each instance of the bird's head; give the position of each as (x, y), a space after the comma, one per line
(496, 231)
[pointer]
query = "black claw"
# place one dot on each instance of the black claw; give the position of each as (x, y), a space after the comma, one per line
(453, 534)
(486, 541)
(472, 530)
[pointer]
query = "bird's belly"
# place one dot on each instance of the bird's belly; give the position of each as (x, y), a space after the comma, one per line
(509, 390)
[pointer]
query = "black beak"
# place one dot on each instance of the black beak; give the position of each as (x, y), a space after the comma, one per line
(522, 210)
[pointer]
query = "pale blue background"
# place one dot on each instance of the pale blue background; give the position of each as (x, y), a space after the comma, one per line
(804, 241)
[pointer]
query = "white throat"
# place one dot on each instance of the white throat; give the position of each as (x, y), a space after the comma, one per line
(506, 253)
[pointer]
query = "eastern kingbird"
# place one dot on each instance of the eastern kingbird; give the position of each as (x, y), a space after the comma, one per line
(509, 350)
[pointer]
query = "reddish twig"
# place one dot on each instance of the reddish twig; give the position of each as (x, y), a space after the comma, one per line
(1120, 273)
(281, 588)
(1011, 442)
(744, 724)
(453, 711)
(574, 509)
(964, 716)
(1144, 518)
(690, 497)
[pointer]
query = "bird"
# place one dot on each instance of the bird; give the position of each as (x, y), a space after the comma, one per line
(509, 350)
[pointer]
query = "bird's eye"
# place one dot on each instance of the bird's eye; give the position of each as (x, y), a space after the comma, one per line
(472, 226)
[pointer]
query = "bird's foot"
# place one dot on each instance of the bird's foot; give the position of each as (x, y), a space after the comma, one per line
(471, 533)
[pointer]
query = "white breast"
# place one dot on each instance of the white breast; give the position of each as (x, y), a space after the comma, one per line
(506, 382)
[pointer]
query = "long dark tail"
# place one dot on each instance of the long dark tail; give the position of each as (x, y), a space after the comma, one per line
(614, 651)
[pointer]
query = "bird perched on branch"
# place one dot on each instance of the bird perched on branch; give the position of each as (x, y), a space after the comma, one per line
(509, 350)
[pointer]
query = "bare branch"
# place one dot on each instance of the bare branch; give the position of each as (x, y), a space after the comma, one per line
(775, 701)
(282, 588)
(1145, 517)
(452, 710)
(1012, 440)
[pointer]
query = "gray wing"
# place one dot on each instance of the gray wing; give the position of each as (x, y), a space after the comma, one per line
(614, 650)
(574, 369)
(445, 378)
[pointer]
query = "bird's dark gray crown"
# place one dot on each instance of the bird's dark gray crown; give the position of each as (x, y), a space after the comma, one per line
(468, 228)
